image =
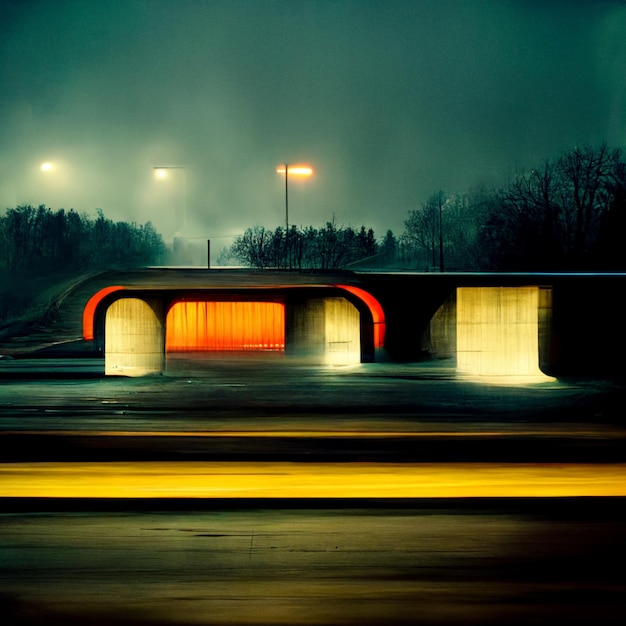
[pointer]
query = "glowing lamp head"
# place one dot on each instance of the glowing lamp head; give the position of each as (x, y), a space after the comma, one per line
(295, 170)
(160, 172)
(46, 167)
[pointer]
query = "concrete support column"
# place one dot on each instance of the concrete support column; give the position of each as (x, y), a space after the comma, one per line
(546, 348)
(439, 340)
(134, 337)
(498, 331)
(326, 330)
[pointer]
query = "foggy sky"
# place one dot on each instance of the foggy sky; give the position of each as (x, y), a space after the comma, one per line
(389, 101)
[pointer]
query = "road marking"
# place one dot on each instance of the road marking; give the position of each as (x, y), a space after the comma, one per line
(263, 432)
(309, 480)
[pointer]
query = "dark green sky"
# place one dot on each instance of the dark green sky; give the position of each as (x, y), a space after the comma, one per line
(389, 100)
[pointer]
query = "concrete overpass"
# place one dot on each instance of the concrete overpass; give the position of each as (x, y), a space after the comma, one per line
(490, 324)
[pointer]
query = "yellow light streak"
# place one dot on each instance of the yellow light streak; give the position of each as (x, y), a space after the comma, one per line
(309, 480)
(264, 432)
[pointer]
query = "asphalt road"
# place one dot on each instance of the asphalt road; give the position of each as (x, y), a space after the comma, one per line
(258, 409)
(432, 562)
(440, 557)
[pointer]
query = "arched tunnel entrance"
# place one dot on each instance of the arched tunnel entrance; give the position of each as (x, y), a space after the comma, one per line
(138, 331)
(487, 325)
(489, 330)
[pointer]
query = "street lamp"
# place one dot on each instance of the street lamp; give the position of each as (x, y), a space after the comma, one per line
(161, 172)
(291, 170)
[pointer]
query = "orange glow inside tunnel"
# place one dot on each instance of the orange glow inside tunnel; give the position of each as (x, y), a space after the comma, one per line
(213, 326)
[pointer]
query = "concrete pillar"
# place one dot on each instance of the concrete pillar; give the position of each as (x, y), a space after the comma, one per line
(546, 347)
(498, 331)
(134, 337)
(342, 331)
(439, 340)
(326, 330)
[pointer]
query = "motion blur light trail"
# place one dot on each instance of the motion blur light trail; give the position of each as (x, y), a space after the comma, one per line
(308, 480)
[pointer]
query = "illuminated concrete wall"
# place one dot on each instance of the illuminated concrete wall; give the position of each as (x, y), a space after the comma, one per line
(546, 344)
(134, 337)
(498, 331)
(326, 330)
(342, 331)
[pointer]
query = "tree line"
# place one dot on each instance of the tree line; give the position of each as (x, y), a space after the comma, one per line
(36, 239)
(327, 248)
(567, 214)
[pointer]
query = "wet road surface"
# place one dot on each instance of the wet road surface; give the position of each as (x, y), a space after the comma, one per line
(351, 497)
(430, 562)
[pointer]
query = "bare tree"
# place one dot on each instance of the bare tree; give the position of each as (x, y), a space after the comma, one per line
(551, 217)
(586, 173)
(329, 247)
(251, 248)
(423, 228)
(390, 247)
(39, 239)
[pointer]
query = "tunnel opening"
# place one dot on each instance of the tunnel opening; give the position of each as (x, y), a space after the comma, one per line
(329, 325)
(225, 326)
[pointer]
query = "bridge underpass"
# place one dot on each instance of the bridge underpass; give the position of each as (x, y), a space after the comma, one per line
(489, 330)
(327, 324)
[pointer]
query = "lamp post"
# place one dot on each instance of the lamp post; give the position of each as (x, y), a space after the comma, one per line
(440, 235)
(161, 171)
(291, 170)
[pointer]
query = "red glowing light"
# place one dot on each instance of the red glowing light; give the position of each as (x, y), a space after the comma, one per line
(90, 309)
(378, 315)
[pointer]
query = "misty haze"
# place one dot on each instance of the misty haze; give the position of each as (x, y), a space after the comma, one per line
(311, 312)
(389, 102)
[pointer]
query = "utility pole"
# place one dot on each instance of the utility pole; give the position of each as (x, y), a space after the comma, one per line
(286, 198)
(440, 235)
